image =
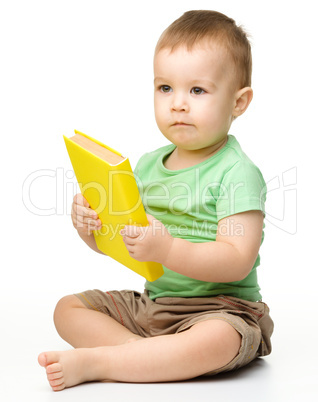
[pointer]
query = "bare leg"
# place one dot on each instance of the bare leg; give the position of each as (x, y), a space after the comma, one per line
(82, 327)
(206, 346)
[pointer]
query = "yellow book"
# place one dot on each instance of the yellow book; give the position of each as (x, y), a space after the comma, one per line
(107, 182)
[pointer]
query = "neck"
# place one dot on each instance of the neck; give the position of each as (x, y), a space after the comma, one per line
(184, 158)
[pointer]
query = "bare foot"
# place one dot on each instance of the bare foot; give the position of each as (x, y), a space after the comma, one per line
(69, 368)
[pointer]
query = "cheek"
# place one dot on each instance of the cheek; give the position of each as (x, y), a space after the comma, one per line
(159, 112)
(206, 116)
(157, 116)
(214, 116)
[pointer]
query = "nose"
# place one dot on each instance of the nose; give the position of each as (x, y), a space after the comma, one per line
(179, 103)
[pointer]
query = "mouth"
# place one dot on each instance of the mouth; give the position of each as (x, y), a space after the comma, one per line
(180, 124)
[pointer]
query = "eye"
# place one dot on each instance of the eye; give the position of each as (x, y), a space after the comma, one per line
(197, 91)
(165, 88)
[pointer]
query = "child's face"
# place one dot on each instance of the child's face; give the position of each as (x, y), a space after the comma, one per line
(194, 95)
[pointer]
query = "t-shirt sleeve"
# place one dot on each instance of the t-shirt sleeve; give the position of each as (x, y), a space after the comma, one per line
(242, 189)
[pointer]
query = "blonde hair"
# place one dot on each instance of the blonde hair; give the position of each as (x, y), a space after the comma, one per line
(194, 27)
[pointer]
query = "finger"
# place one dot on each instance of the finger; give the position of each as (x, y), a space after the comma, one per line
(90, 222)
(78, 209)
(129, 241)
(82, 211)
(86, 223)
(81, 200)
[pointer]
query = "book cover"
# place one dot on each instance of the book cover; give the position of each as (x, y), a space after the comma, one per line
(107, 182)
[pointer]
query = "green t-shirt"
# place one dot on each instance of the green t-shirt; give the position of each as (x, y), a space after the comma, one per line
(191, 201)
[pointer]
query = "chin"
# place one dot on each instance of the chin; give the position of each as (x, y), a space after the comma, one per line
(184, 143)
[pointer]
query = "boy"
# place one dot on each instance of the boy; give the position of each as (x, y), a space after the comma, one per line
(205, 203)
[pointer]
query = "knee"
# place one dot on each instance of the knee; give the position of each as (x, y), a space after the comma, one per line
(64, 307)
(228, 342)
(220, 342)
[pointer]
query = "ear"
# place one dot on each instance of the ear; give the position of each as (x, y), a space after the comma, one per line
(243, 98)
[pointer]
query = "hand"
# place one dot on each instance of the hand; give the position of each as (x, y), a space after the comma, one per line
(148, 243)
(84, 219)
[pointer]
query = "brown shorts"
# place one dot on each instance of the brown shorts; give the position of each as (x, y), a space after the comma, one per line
(170, 315)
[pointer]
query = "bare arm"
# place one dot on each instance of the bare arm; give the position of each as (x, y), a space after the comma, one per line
(229, 258)
(85, 220)
(90, 241)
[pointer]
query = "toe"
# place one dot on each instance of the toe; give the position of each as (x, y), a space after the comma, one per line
(42, 359)
(54, 376)
(58, 387)
(57, 383)
(53, 368)
(47, 358)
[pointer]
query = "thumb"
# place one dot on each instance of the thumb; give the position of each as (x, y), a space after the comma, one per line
(131, 231)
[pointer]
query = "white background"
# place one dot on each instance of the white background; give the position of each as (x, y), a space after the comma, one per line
(87, 65)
